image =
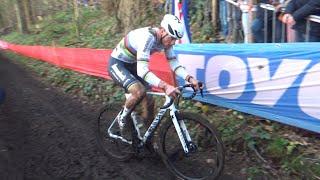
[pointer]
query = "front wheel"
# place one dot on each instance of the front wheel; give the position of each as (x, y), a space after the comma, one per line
(207, 157)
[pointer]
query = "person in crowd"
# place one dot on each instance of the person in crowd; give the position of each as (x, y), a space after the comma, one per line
(223, 16)
(244, 8)
(235, 32)
(296, 13)
(258, 24)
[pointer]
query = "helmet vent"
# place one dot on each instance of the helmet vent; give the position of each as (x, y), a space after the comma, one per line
(170, 29)
(178, 35)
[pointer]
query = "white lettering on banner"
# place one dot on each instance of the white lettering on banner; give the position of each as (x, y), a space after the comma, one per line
(236, 70)
(192, 63)
(308, 95)
(269, 89)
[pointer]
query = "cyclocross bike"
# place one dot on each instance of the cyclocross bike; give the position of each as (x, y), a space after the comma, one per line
(188, 144)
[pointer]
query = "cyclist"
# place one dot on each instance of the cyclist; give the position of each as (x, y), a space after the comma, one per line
(128, 64)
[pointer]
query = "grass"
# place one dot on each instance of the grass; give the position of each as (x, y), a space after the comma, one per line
(264, 145)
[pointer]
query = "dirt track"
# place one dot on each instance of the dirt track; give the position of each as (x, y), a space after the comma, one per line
(45, 134)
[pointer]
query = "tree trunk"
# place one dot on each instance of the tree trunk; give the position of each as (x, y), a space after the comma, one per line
(125, 14)
(65, 5)
(133, 14)
(36, 9)
(1, 21)
(44, 8)
(26, 7)
(110, 6)
(215, 17)
(6, 9)
(76, 17)
(31, 11)
(21, 21)
(53, 5)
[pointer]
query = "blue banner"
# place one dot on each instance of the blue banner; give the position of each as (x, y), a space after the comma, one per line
(279, 82)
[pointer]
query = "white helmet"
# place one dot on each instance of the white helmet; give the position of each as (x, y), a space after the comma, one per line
(173, 26)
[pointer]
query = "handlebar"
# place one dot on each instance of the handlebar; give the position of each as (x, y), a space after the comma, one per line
(181, 88)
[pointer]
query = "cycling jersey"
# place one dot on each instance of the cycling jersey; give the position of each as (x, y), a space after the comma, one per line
(139, 44)
(137, 47)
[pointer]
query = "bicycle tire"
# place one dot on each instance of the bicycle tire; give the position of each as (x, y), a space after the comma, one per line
(114, 148)
(173, 156)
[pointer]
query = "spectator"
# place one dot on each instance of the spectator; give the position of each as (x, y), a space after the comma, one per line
(290, 33)
(235, 33)
(258, 24)
(245, 8)
(296, 13)
(223, 15)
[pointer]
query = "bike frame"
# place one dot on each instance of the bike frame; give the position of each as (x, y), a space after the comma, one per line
(179, 125)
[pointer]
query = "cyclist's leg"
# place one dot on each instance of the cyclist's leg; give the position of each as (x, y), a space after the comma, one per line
(124, 74)
(137, 92)
(147, 103)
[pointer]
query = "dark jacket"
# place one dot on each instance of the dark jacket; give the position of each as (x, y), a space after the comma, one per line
(300, 10)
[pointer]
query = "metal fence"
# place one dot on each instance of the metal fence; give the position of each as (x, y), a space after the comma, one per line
(312, 18)
(248, 12)
(269, 7)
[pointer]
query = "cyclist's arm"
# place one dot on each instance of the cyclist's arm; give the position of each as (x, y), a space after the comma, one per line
(178, 69)
(144, 72)
(143, 56)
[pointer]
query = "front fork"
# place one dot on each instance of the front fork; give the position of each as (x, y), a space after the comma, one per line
(183, 134)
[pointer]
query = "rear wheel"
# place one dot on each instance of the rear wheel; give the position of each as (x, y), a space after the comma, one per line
(115, 148)
(207, 157)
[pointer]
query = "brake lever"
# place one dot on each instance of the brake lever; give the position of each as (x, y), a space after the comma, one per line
(200, 84)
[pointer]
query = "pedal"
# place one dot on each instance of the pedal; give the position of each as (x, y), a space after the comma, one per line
(192, 147)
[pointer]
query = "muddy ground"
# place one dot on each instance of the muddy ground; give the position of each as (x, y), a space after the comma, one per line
(45, 134)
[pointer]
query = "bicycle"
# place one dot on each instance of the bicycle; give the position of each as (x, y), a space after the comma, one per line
(200, 156)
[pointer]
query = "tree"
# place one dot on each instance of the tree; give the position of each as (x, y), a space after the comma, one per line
(214, 17)
(110, 6)
(133, 14)
(65, 4)
(1, 21)
(76, 17)
(31, 11)
(6, 9)
(21, 20)
(26, 8)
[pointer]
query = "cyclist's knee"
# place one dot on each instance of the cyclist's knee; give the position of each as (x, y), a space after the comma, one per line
(137, 90)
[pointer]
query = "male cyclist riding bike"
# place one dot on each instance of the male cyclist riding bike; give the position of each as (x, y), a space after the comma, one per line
(128, 64)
